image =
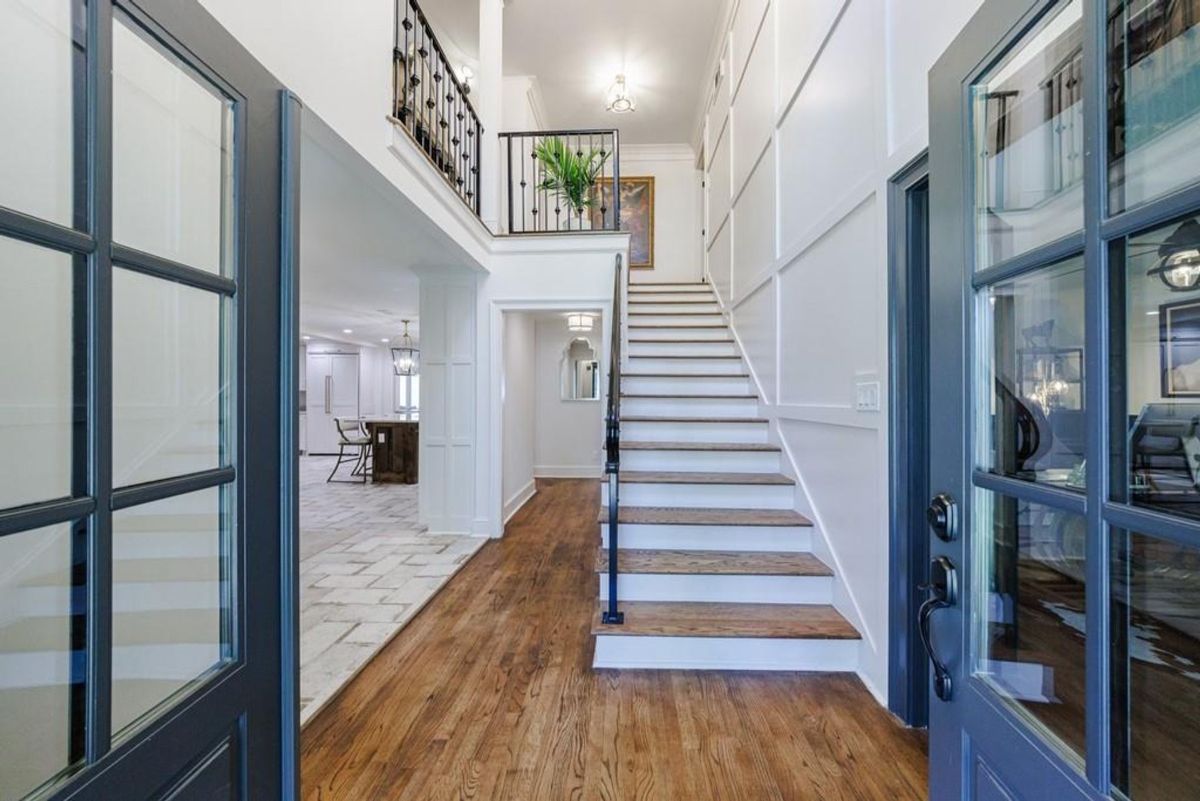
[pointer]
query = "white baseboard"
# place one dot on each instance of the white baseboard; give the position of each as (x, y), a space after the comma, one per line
(519, 498)
(567, 471)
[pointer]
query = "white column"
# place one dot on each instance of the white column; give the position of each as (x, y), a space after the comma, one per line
(490, 107)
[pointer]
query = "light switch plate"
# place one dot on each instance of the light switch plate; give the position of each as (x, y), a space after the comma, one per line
(866, 396)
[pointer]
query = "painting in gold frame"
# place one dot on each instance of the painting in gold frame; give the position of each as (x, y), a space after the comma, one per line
(637, 216)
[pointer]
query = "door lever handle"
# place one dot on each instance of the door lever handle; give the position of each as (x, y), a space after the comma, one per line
(943, 585)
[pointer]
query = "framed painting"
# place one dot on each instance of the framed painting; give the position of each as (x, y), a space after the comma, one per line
(1179, 338)
(637, 216)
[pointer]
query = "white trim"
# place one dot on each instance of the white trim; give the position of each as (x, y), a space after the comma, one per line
(661, 152)
(566, 471)
(519, 499)
(591, 242)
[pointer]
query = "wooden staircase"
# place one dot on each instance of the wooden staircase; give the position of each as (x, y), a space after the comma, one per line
(715, 566)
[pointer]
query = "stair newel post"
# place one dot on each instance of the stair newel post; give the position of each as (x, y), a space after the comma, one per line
(612, 447)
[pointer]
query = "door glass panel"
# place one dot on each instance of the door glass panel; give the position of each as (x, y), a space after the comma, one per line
(1027, 129)
(37, 415)
(1155, 667)
(41, 683)
(1154, 98)
(172, 156)
(170, 604)
(1029, 611)
(1159, 435)
(1031, 361)
(38, 59)
(169, 386)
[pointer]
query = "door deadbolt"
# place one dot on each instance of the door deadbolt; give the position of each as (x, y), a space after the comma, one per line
(942, 515)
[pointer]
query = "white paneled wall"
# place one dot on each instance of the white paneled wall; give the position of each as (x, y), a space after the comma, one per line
(821, 102)
(447, 486)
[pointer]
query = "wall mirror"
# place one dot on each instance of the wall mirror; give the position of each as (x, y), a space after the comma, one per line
(580, 371)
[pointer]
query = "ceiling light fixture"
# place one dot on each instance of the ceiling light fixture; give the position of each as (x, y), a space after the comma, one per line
(405, 357)
(579, 322)
(466, 74)
(619, 99)
(1179, 258)
(347, 331)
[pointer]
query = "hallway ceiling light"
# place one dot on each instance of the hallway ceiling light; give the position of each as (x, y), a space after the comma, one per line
(579, 322)
(619, 99)
(405, 357)
(1179, 258)
(347, 331)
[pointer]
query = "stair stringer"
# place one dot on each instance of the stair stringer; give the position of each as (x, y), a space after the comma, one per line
(844, 598)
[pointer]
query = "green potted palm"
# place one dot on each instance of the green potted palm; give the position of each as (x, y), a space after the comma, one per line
(569, 174)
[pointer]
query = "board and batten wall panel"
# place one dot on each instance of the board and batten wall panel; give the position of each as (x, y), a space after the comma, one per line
(753, 115)
(800, 265)
(447, 431)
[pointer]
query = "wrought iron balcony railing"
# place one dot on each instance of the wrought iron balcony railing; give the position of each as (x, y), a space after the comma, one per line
(560, 181)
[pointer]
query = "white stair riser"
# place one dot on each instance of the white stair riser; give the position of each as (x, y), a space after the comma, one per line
(676, 332)
(145, 596)
(686, 385)
(698, 588)
(701, 461)
(711, 538)
(674, 319)
(636, 305)
(683, 366)
(700, 496)
(700, 295)
(690, 407)
(694, 432)
(715, 348)
(725, 653)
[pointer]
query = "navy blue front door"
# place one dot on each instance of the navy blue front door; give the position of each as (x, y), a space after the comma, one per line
(1065, 433)
(142, 562)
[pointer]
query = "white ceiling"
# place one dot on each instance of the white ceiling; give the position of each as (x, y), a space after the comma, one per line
(362, 245)
(576, 49)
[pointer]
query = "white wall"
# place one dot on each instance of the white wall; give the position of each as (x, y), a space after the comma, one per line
(821, 103)
(678, 247)
(568, 434)
(518, 416)
(523, 106)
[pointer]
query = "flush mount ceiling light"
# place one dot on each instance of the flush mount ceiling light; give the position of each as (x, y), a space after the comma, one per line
(619, 99)
(579, 322)
(1179, 258)
(405, 357)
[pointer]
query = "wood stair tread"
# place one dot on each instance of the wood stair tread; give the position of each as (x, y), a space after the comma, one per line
(678, 327)
(713, 563)
(678, 477)
(740, 376)
(632, 301)
(682, 396)
(660, 419)
(676, 356)
(693, 516)
(725, 341)
(768, 621)
(675, 314)
(757, 447)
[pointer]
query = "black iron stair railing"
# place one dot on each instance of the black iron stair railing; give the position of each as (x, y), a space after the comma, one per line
(540, 203)
(431, 104)
(612, 448)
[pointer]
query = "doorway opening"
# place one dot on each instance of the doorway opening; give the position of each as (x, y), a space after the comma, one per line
(908, 338)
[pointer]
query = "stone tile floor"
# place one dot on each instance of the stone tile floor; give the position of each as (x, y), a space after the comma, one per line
(366, 568)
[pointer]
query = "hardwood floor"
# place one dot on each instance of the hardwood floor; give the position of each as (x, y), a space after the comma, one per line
(489, 694)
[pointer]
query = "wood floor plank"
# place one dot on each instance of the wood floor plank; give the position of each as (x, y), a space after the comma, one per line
(488, 695)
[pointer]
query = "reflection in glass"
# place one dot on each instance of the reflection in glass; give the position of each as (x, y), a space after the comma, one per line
(41, 657)
(172, 156)
(170, 607)
(169, 389)
(1030, 629)
(40, 50)
(1159, 436)
(1032, 355)
(1027, 124)
(580, 371)
(1155, 668)
(1153, 98)
(37, 415)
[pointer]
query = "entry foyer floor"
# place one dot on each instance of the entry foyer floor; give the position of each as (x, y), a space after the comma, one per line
(489, 694)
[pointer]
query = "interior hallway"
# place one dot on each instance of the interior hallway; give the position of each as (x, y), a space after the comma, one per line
(489, 694)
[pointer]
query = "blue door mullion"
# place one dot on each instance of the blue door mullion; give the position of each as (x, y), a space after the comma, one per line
(100, 572)
(1096, 298)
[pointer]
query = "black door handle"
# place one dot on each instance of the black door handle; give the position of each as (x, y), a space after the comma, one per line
(942, 515)
(943, 586)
